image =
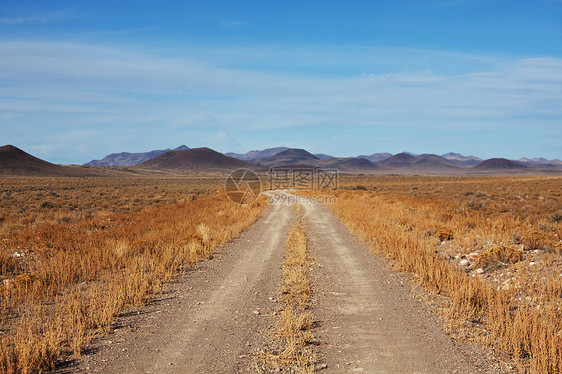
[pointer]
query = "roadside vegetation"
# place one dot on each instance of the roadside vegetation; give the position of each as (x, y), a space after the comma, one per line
(292, 346)
(489, 250)
(74, 253)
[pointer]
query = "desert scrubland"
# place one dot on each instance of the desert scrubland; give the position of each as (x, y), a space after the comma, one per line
(488, 250)
(75, 253)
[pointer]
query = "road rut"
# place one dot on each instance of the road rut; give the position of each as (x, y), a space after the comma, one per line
(368, 320)
(210, 324)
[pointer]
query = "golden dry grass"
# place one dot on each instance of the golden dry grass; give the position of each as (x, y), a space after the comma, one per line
(65, 281)
(510, 223)
(294, 351)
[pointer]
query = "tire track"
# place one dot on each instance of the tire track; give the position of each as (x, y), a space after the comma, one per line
(210, 325)
(368, 320)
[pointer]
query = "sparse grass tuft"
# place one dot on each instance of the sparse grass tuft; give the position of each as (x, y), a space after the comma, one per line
(295, 352)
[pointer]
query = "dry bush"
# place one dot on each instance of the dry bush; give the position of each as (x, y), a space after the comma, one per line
(533, 239)
(499, 254)
(444, 234)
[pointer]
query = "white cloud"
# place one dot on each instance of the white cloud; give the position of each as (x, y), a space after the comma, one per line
(267, 95)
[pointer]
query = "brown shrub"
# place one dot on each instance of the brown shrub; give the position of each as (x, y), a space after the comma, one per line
(532, 239)
(499, 254)
(444, 234)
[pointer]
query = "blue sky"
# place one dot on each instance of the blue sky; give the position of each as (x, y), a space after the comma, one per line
(483, 77)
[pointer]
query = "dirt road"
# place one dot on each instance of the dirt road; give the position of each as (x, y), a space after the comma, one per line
(207, 323)
(369, 321)
(214, 319)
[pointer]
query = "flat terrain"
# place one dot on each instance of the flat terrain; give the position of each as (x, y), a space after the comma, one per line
(369, 320)
(216, 318)
(206, 324)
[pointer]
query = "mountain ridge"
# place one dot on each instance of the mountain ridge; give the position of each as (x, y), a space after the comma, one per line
(129, 158)
(16, 162)
(257, 154)
(193, 159)
(291, 156)
(499, 164)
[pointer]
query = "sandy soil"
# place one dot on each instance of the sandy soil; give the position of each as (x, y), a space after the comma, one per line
(215, 318)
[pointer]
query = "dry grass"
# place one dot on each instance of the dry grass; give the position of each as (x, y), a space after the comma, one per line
(294, 350)
(66, 281)
(508, 293)
(498, 255)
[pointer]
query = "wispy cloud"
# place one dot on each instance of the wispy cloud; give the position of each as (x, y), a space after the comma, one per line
(57, 16)
(98, 99)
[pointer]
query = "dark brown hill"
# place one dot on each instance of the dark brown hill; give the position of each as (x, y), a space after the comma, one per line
(351, 164)
(398, 160)
(193, 159)
(14, 161)
(291, 156)
(421, 163)
(499, 164)
(434, 162)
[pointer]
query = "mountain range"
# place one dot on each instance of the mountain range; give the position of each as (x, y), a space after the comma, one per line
(257, 155)
(129, 159)
(193, 159)
(15, 162)
(286, 156)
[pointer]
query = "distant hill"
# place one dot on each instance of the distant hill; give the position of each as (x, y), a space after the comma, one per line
(14, 161)
(257, 155)
(448, 162)
(193, 159)
(499, 164)
(375, 157)
(398, 160)
(323, 156)
(292, 156)
(352, 164)
(434, 162)
(130, 159)
(540, 162)
(300, 157)
(425, 162)
(461, 159)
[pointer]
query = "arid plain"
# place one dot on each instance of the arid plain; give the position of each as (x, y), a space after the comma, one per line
(80, 255)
